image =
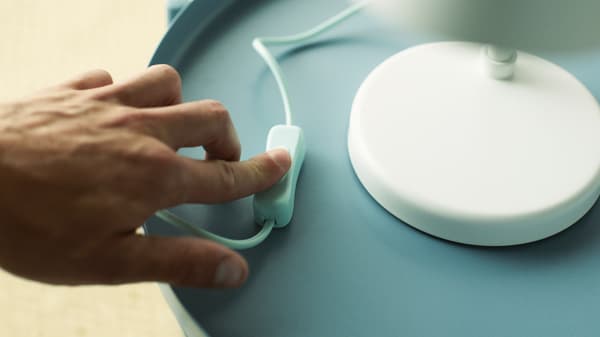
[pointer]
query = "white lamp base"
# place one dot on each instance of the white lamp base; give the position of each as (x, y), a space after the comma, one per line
(465, 157)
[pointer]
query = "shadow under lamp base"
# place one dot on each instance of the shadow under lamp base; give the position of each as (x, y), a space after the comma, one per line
(442, 142)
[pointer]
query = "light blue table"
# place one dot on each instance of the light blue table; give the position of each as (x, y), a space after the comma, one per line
(345, 267)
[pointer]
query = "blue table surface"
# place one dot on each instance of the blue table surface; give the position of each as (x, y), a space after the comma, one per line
(345, 267)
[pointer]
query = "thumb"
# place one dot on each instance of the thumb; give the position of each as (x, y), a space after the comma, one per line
(188, 262)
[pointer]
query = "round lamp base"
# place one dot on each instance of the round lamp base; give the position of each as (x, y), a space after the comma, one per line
(465, 157)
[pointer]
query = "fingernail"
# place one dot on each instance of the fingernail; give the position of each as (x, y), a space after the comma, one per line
(281, 157)
(229, 273)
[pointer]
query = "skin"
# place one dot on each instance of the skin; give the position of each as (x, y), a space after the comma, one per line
(85, 163)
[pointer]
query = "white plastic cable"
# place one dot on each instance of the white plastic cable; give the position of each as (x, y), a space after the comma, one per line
(183, 224)
(260, 47)
(260, 44)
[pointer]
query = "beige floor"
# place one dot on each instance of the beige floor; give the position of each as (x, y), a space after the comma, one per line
(42, 42)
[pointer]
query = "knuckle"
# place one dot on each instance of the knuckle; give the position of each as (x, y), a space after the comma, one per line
(228, 177)
(167, 72)
(103, 73)
(171, 80)
(217, 111)
(92, 77)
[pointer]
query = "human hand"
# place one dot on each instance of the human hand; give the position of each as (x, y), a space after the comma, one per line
(84, 164)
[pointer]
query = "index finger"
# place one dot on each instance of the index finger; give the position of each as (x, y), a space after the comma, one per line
(219, 181)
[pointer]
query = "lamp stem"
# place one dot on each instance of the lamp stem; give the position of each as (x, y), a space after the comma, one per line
(500, 62)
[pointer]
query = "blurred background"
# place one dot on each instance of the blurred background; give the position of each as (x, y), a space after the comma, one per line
(43, 42)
